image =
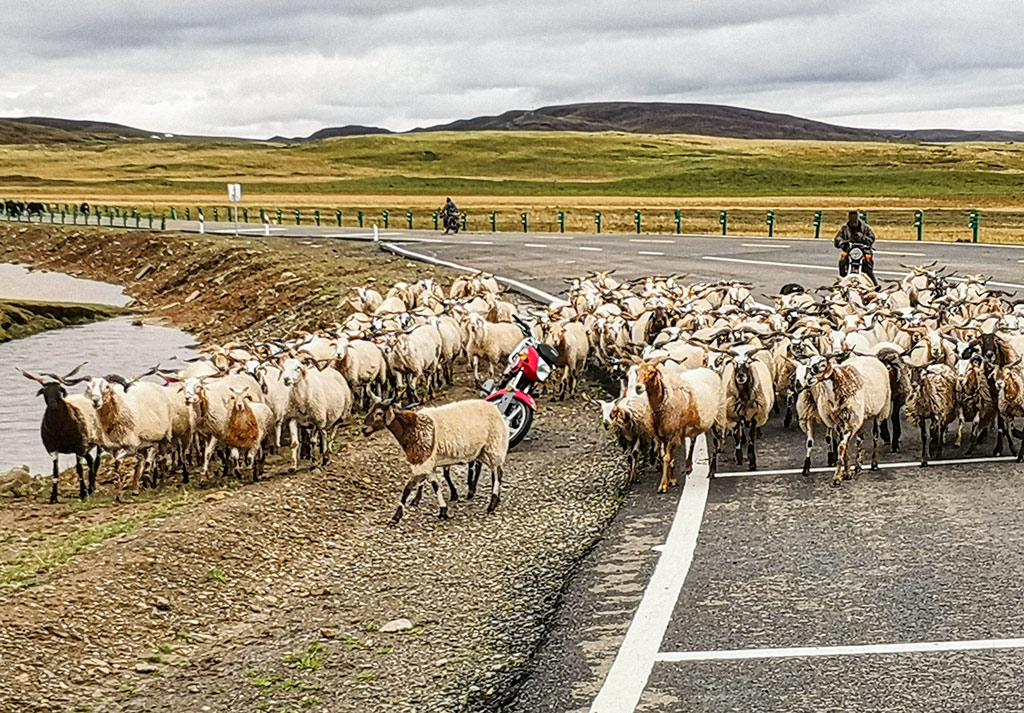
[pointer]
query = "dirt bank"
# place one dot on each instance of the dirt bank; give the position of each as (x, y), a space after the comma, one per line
(271, 596)
(21, 318)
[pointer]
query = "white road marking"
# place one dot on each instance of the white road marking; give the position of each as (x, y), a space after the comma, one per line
(648, 252)
(554, 237)
(830, 268)
(244, 231)
(532, 292)
(534, 245)
(593, 250)
(763, 245)
(480, 242)
(806, 651)
(882, 466)
(647, 240)
(380, 233)
(628, 675)
(896, 252)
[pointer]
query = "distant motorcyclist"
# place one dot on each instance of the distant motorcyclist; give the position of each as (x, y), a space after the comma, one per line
(450, 216)
(855, 232)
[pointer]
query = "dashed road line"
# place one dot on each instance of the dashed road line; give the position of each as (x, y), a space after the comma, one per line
(593, 250)
(896, 252)
(763, 245)
(627, 678)
(650, 240)
(804, 266)
(480, 242)
(648, 252)
(860, 650)
(534, 245)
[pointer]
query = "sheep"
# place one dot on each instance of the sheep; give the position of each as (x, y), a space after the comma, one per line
(573, 346)
(749, 398)
(275, 394)
(249, 423)
(977, 398)
(206, 398)
(931, 404)
(319, 399)
(183, 424)
(363, 365)
(451, 343)
(367, 299)
(1010, 399)
(135, 417)
(470, 431)
(416, 355)
(65, 429)
(684, 404)
(847, 396)
(492, 341)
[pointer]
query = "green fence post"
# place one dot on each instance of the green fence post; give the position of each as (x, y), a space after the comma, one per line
(215, 216)
(919, 223)
(408, 218)
(465, 218)
(523, 219)
(386, 216)
(359, 217)
(864, 215)
(188, 214)
(280, 216)
(124, 219)
(337, 216)
(435, 217)
(817, 224)
(494, 221)
(770, 220)
(597, 220)
(561, 221)
(245, 215)
(974, 223)
(298, 217)
(174, 214)
(316, 217)
(679, 222)
(636, 219)
(163, 222)
(723, 218)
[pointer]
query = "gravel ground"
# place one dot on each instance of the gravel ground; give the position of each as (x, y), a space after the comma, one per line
(271, 596)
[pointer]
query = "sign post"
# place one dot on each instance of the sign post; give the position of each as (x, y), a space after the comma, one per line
(235, 196)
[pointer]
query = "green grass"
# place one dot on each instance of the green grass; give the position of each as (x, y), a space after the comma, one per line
(311, 659)
(215, 574)
(24, 570)
(521, 164)
(21, 318)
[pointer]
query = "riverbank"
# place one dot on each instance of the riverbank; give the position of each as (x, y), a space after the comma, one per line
(23, 318)
(272, 596)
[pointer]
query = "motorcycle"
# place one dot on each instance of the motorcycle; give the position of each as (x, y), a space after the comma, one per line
(451, 222)
(529, 364)
(858, 256)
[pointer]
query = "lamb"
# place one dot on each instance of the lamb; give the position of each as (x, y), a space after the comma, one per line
(492, 341)
(66, 428)
(249, 424)
(684, 404)
(931, 405)
(470, 431)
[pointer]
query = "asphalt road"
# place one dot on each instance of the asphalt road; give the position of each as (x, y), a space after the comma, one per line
(898, 591)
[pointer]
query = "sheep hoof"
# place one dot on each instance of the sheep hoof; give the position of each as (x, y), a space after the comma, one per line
(454, 497)
(491, 506)
(396, 518)
(924, 464)
(836, 482)
(443, 514)
(874, 466)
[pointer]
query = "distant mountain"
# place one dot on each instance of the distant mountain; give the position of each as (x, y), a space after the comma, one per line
(700, 119)
(41, 129)
(333, 131)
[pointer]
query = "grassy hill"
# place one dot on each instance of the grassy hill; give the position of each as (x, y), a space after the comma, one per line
(517, 163)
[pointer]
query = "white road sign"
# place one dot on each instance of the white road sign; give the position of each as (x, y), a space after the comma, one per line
(235, 192)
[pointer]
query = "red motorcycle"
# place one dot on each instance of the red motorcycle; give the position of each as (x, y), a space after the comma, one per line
(529, 364)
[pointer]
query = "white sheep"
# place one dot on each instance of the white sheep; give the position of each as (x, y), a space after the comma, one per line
(320, 399)
(491, 341)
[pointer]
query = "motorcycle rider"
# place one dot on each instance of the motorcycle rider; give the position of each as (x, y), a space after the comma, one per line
(450, 209)
(855, 232)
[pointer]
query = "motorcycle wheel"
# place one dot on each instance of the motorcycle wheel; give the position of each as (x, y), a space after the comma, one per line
(519, 418)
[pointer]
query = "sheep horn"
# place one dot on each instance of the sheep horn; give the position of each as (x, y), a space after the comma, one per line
(33, 377)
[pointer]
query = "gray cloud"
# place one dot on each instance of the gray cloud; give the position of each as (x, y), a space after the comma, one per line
(264, 67)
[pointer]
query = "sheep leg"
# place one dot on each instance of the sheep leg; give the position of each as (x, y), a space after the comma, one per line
(1020, 451)
(831, 443)
(972, 438)
(416, 498)
(886, 438)
(211, 445)
(751, 447)
(94, 465)
(442, 513)
(56, 475)
(897, 428)
(858, 463)
(453, 494)
(666, 467)
(959, 430)
(413, 482)
(1000, 430)
(496, 473)
(322, 433)
(738, 432)
(842, 458)
(473, 477)
(476, 369)
(874, 443)
(788, 418)
(924, 442)
(293, 430)
(713, 438)
(689, 456)
(81, 476)
(808, 428)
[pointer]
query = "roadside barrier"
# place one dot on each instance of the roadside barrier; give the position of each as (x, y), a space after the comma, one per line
(944, 224)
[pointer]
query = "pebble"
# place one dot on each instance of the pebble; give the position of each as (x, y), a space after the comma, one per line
(145, 667)
(396, 625)
(162, 603)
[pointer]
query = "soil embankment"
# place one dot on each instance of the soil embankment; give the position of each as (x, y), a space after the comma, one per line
(22, 318)
(272, 596)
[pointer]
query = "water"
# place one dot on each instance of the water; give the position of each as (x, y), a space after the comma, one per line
(18, 283)
(111, 346)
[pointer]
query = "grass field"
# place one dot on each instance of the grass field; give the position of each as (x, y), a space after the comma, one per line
(543, 172)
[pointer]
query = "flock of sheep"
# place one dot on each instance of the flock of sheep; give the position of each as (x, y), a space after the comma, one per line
(692, 359)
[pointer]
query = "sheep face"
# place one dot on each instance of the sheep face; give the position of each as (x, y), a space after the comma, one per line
(292, 371)
(378, 417)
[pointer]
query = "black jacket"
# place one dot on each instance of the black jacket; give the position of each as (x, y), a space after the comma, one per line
(861, 234)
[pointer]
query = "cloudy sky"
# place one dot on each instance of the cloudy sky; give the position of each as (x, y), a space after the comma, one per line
(264, 67)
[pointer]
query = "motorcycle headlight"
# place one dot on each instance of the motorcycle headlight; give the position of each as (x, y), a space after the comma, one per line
(856, 254)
